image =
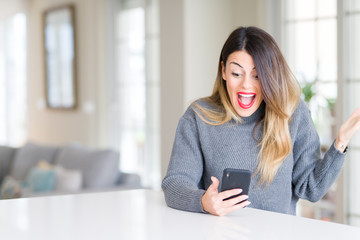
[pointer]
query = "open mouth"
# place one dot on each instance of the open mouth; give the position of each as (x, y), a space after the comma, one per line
(246, 100)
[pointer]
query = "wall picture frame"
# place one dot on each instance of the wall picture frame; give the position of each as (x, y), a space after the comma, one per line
(60, 57)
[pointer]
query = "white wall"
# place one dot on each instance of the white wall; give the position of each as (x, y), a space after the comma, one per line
(61, 126)
(207, 25)
(8, 8)
(172, 72)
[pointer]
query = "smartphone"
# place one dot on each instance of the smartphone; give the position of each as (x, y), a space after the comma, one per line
(236, 178)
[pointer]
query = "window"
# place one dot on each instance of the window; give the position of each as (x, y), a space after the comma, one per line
(351, 19)
(310, 47)
(311, 29)
(135, 87)
(13, 94)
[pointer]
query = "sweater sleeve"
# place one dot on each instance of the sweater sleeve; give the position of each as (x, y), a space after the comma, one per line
(182, 184)
(312, 174)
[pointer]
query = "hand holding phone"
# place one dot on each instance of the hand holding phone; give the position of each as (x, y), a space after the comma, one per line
(236, 178)
(213, 201)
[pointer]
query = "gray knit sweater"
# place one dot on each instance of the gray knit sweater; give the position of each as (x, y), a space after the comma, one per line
(201, 150)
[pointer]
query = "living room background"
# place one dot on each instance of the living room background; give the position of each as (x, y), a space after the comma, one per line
(92, 123)
(187, 38)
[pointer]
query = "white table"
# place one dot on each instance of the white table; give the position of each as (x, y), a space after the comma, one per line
(143, 214)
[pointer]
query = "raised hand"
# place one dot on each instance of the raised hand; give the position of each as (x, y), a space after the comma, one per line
(347, 130)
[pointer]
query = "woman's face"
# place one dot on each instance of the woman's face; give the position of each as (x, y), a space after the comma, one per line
(242, 83)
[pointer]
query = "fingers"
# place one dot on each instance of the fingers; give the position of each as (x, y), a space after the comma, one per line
(214, 186)
(356, 112)
(237, 200)
(347, 130)
(227, 208)
(230, 193)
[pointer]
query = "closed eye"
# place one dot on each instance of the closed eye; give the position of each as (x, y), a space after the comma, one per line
(235, 74)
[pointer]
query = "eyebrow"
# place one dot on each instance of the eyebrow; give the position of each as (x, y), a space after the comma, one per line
(238, 64)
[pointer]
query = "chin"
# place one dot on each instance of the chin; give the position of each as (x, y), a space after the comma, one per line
(247, 112)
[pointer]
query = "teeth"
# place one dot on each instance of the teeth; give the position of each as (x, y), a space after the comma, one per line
(246, 99)
(246, 95)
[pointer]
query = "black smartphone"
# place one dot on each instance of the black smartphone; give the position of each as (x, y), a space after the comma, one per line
(236, 178)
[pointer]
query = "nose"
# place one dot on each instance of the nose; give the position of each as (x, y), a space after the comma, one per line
(246, 81)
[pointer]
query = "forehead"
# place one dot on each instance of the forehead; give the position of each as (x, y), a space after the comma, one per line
(241, 58)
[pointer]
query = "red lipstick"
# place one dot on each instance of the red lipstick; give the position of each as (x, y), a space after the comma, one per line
(246, 99)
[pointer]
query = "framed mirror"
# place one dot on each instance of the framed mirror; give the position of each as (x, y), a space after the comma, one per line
(60, 57)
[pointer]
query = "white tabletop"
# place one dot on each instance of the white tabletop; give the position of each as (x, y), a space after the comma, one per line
(143, 214)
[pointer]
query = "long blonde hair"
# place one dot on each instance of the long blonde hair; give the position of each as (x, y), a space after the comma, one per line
(280, 90)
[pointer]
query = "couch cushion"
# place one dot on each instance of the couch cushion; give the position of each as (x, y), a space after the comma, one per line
(10, 188)
(68, 180)
(41, 180)
(28, 156)
(6, 156)
(99, 167)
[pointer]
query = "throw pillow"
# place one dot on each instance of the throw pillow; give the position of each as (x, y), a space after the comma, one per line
(10, 188)
(99, 167)
(68, 180)
(28, 156)
(41, 179)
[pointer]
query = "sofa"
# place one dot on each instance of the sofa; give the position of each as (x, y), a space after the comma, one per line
(38, 170)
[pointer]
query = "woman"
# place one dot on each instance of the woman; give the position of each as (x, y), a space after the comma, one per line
(253, 120)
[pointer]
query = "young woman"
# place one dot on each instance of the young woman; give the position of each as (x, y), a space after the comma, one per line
(253, 120)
